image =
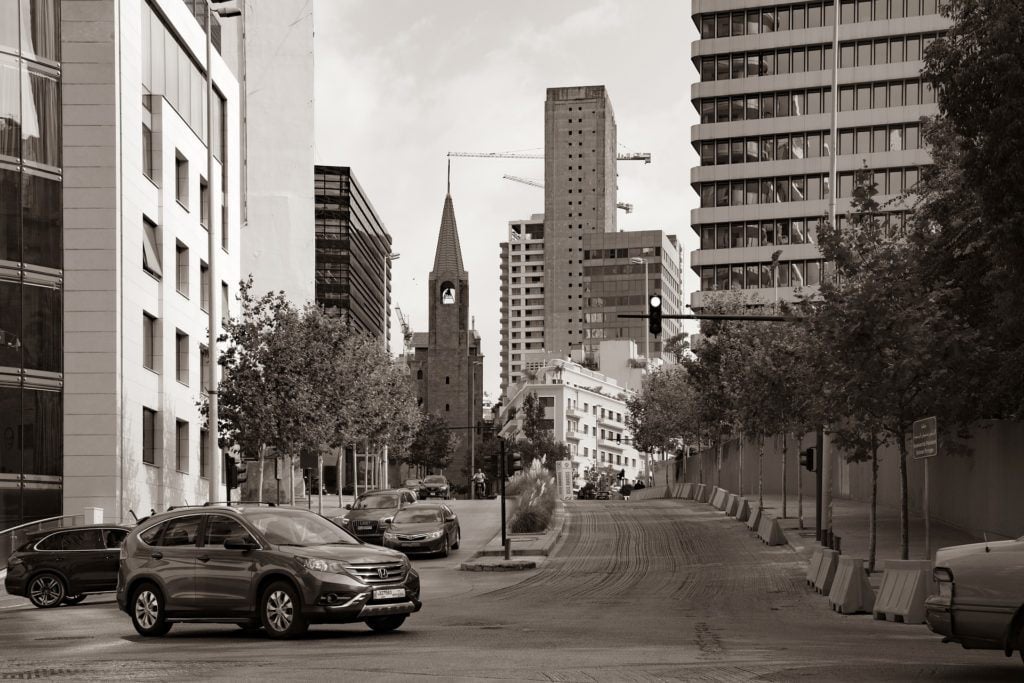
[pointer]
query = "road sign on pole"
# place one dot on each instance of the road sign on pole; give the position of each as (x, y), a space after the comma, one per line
(926, 447)
(563, 478)
(926, 439)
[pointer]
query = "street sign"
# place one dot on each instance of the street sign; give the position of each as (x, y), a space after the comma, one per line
(926, 440)
(563, 478)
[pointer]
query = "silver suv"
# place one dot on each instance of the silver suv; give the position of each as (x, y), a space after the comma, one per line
(281, 569)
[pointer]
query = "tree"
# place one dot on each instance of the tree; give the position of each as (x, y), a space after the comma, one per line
(433, 445)
(678, 345)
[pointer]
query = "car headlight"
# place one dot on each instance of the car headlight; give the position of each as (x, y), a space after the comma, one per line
(435, 534)
(342, 521)
(315, 564)
(390, 535)
(387, 520)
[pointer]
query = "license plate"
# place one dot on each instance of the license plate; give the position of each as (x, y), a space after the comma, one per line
(388, 593)
(364, 527)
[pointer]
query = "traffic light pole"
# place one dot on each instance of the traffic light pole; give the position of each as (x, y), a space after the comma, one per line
(818, 486)
(503, 474)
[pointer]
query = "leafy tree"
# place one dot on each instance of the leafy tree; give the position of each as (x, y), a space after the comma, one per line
(678, 345)
(433, 445)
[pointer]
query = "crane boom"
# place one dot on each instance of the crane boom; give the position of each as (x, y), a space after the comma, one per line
(628, 208)
(628, 156)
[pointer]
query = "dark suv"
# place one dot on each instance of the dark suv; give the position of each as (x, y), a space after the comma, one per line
(435, 486)
(60, 567)
(373, 511)
(259, 566)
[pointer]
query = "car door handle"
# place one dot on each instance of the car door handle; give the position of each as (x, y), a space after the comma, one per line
(157, 555)
(203, 558)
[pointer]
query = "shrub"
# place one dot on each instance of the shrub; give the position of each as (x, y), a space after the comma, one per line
(536, 490)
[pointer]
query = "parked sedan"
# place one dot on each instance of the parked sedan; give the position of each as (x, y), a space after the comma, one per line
(372, 511)
(61, 567)
(424, 528)
(980, 603)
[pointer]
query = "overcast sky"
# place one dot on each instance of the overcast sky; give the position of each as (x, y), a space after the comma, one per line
(399, 83)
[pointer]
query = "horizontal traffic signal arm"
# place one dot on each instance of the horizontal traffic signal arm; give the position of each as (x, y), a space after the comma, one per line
(716, 316)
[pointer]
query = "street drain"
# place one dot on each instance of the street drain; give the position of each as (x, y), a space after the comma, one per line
(42, 673)
(52, 638)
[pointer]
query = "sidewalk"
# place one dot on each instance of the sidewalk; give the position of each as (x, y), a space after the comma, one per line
(850, 523)
(528, 551)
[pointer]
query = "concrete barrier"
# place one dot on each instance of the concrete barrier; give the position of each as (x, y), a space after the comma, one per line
(813, 566)
(826, 571)
(769, 531)
(733, 505)
(905, 585)
(677, 490)
(754, 520)
(689, 490)
(701, 495)
(851, 591)
(720, 498)
(712, 492)
(744, 512)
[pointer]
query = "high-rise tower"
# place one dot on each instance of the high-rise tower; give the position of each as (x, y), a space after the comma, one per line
(579, 198)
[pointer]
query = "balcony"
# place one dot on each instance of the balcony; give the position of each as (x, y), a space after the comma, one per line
(611, 443)
(609, 422)
(573, 412)
(573, 435)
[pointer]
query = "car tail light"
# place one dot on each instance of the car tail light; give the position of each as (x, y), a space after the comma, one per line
(123, 553)
(944, 577)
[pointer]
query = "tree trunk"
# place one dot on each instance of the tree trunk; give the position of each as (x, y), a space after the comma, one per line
(785, 448)
(904, 503)
(291, 479)
(718, 461)
(760, 471)
(259, 478)
(799, 488)
(739, 456)
(873, 511)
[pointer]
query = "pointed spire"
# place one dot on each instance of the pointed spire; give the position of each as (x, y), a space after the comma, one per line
(449, 193)
(448, 257)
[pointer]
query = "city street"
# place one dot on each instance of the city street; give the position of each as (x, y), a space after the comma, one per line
(663, 589)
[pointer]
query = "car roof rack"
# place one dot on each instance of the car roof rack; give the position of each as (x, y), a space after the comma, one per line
(239, 502)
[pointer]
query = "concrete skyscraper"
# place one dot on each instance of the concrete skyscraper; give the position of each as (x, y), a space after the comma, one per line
(764, 138)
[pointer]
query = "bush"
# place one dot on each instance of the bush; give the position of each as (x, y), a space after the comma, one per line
(536, 490)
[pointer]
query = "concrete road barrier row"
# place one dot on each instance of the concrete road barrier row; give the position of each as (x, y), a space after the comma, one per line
(689, 490)
(754, 520)
(851, 591)
(813, 566)
(905, 586)
(719, 500)
(701, 495)
(732, 507)
(769, 531)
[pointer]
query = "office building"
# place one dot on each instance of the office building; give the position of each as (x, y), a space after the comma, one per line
(31, 261)
(140, 279)
(270, 50)
(353, 253)
(764, 137)
(522, 296)
(446, 365)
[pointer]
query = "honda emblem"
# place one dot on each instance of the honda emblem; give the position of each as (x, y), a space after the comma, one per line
(382, 572)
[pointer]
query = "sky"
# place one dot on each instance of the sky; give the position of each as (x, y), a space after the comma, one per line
(400, 83)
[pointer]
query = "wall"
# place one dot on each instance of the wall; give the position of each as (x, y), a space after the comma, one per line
(975, 483)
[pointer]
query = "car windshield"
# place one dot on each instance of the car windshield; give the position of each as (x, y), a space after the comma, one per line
(376, 502)
(412, 482)
(413, 516)
(435, 479)
(298, 527)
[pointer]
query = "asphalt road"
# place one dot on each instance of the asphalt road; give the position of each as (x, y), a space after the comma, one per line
(650, 590)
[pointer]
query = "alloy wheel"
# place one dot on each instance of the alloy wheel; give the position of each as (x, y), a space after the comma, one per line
(280, 610)
(46, 591)
(147, 609)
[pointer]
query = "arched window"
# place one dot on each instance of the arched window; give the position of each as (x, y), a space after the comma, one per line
(447, 379)
(447, 407)
(419, 374)
(447, 292)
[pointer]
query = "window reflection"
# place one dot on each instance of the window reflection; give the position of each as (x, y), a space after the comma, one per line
(40, 20)
(42, 328)
(40, 119)
(10, 116)
(10, 325)
(10, 228)
(42, 219)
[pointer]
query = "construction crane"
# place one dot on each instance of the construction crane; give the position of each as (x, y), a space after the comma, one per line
(628, 208)
(403, 319)
(621, 156)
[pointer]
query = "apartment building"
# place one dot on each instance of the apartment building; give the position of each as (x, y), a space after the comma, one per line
(353, 252)
(522, 296)
(764, 138)
(31, 262)
(140, 276)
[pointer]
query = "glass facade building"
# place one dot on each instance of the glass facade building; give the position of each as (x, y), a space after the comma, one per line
(31, 261)
(353, 249)
(765, 102)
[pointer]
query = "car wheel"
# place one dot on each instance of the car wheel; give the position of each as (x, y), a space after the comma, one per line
(148, 616)
(280, 611)
(46, 590)
(458, 539)
(73, 599)
(386, 624)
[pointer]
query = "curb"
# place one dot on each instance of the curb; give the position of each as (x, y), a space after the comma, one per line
(551, 536)
(502, 566)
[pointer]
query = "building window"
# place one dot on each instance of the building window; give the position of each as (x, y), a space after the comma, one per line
(204, 453)
(447, 407)
(204, 286)
(204, 203)
(224, 232)
(150, 250)
(181, 445)
(419, 374)
(225, 300)
(447, 380)
(148, 341)
(147, 152)
(149, 436)
(204, 368)
(181, 179)
(181, 261)
(181, 356)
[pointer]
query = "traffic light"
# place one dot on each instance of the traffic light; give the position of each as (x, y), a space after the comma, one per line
(807, 459)
(654, 315)
(516, 464)
(242, 473)
(230, 472)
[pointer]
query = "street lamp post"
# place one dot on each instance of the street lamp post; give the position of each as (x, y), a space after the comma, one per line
(647, 334)
(216, 467)
(388, 259)
(472, 427)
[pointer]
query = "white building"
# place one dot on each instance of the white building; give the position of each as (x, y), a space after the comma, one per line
(139, 276)
(584, 409)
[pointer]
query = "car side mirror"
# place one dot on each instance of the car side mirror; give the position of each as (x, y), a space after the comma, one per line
(348, 506)
(240, 543)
